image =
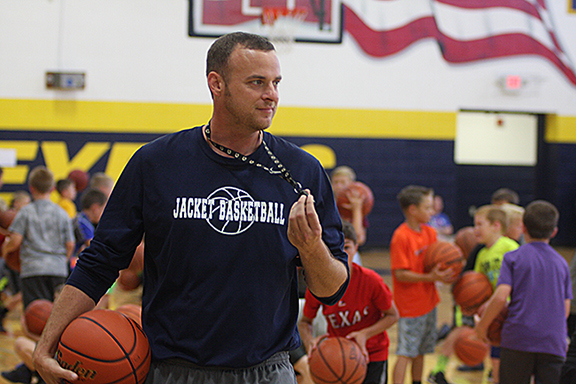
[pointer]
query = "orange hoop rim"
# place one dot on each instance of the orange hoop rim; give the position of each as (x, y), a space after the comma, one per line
(271, 14)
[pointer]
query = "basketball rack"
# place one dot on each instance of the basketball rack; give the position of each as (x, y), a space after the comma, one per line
(280, 24)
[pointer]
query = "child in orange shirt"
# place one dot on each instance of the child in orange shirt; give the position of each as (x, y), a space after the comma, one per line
(415, 291)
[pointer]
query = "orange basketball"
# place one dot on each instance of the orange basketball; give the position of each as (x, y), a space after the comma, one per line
(469, 348)
(104, 346)
(337, 360)
(80, 179)
(356, 187)
(471, 290)
(494, 333)
(466, 240)
(6, 218)
(448, 255)
(133, 311)
(36, 314)
(13, 260)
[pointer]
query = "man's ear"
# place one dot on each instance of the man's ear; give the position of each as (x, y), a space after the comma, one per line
(215, 83)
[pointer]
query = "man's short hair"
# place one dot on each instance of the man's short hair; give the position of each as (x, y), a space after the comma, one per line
(42, 179)
(540, 219)
(494, 213)
(220, 51)
(412, 195)
(62, 184)
(349, 231)
(505, 195)
(92, 196)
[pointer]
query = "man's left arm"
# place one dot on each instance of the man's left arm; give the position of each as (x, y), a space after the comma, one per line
(325, 275)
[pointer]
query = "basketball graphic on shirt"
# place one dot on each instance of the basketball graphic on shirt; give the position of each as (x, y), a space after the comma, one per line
(228, 214)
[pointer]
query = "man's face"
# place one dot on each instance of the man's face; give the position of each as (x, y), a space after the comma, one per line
(251, 88)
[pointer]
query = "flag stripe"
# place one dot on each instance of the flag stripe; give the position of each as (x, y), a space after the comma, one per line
(388, 15)
(466, 24)
(386, 43)
(466, 30)
(455, 51)
(521, 5)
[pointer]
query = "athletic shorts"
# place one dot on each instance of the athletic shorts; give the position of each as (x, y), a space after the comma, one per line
(494, 352)
(517, 367)
(276, 369)
(40, 287)
(417, 335)
(377, 373)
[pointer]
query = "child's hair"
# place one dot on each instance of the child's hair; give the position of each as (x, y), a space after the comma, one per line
(540, 219)
(505, 195)
(42, 179)
(513, 212)
(343, 170)
(63, 184)
(18, 196)
(349, 231)
(101, 179)
(494, 213)
(92, 196)
(412, 195)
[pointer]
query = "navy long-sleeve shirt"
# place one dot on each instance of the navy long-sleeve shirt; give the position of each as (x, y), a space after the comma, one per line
(220, 284)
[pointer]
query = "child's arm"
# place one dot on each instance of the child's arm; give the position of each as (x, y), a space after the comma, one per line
(388, 319)
(70, 245)
(305, 329)
(493, 308)
(356, 204)
(409, 276)
(567, 305)
(12, 243)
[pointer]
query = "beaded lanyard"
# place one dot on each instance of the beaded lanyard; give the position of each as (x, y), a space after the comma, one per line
(283, 172)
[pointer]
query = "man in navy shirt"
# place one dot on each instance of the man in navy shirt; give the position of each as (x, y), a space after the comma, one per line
(227, 212)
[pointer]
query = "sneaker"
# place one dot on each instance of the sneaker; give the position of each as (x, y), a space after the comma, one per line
(471, 368)
(437, 378)
(443, 332)
(20, 374)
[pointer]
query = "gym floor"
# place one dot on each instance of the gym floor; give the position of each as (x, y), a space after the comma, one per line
(377, 259)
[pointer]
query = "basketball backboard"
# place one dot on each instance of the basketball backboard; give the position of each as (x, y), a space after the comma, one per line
(214, 18)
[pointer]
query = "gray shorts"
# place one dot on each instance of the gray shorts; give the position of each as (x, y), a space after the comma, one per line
(276, 369)
(417, 335)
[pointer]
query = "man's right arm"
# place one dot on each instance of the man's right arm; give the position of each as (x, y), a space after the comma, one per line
(71, 303)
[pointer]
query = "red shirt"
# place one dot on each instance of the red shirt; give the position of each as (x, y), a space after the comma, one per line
(361, 306)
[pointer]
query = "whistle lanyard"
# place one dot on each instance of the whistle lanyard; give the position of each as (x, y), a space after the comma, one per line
(281, 172)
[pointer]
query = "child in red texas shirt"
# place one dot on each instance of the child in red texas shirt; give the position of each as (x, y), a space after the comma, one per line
(363, 314)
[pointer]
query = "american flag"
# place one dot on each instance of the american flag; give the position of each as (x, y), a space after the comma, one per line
(465, 30)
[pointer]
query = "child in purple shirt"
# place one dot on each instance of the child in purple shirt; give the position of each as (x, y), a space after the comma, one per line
(537, 281)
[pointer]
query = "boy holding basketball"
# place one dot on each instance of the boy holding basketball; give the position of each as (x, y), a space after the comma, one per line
(363, 314)
(537, 281)
(341, 178)
(490, 225)
(415, 291)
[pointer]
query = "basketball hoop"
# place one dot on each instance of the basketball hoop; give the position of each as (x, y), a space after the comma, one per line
(280, 24)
